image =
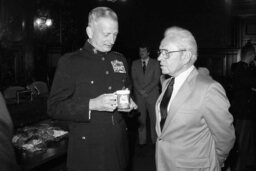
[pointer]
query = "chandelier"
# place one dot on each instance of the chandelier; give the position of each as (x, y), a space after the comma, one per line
(42, 21)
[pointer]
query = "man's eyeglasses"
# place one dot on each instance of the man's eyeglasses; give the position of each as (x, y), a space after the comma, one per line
(165, 53)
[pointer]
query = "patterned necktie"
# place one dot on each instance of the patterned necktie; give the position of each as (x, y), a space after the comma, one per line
(165, 101)
(144, 66)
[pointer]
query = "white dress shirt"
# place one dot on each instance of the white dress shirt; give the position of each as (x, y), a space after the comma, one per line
(179, 80)
(144, 60)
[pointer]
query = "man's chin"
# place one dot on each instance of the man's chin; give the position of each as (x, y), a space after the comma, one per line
(164, 71)
(107, 49)
(104, 49)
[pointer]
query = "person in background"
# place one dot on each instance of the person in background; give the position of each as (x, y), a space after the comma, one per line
(253, 66)
(146, 76)
(243, 107)
(7, 155)
(194, 127)
(83, 93)
(203, 71)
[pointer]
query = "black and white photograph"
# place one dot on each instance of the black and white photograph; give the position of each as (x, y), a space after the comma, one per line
(127, 85)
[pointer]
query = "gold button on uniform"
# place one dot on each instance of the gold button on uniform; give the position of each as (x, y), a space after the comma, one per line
(83, 137)
(103, 58)
(92, 82)
(110, 88)
(107, 72)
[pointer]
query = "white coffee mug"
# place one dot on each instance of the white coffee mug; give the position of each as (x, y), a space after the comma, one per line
(123, 99)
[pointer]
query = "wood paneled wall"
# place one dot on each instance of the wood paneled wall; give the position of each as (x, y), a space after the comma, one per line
(218, 61)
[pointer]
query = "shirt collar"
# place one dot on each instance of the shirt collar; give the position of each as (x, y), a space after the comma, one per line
(183, 76)
(146, 60)
(179, 80)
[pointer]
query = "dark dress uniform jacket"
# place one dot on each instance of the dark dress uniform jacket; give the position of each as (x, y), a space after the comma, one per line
(97, 140)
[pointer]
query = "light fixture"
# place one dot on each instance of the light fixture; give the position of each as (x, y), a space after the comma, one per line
(42, 23)
(42, 20)
(48, 22)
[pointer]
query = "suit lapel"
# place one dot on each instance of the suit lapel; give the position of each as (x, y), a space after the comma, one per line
(180, 98)
(139, 63)
(165, 84)
(158, 131)
(149, 64)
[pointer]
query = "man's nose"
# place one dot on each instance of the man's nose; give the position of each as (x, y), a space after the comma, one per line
(159, 58)
(112, 39)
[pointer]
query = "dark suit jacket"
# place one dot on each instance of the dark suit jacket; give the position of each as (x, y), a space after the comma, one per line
(148, 81)
(243, 98)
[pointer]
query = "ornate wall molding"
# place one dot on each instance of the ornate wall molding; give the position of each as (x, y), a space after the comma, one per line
(244, 7)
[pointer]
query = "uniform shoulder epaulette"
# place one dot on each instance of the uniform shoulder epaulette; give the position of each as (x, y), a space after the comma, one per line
(77, 52)
(69, 55)
(72, 53)
(117, 53)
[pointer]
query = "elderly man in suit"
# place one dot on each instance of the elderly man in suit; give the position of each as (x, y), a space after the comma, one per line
(194, 127)
(146, 77)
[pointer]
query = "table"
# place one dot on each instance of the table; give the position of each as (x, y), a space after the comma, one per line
(53, 158)
(28, 113)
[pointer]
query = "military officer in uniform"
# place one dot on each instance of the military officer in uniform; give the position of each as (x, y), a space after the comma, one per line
(83, 93)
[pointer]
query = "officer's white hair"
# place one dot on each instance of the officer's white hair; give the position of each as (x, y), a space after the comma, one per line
(101, 12)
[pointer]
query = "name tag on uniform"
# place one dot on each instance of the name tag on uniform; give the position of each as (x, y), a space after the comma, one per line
(118, 66)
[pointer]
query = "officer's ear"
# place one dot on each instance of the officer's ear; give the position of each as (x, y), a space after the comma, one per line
(89, 31)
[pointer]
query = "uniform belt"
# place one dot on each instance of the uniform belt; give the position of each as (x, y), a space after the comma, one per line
(115, 120)
(103, 117)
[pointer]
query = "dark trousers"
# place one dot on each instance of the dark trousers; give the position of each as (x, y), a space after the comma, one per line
(245, 150)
